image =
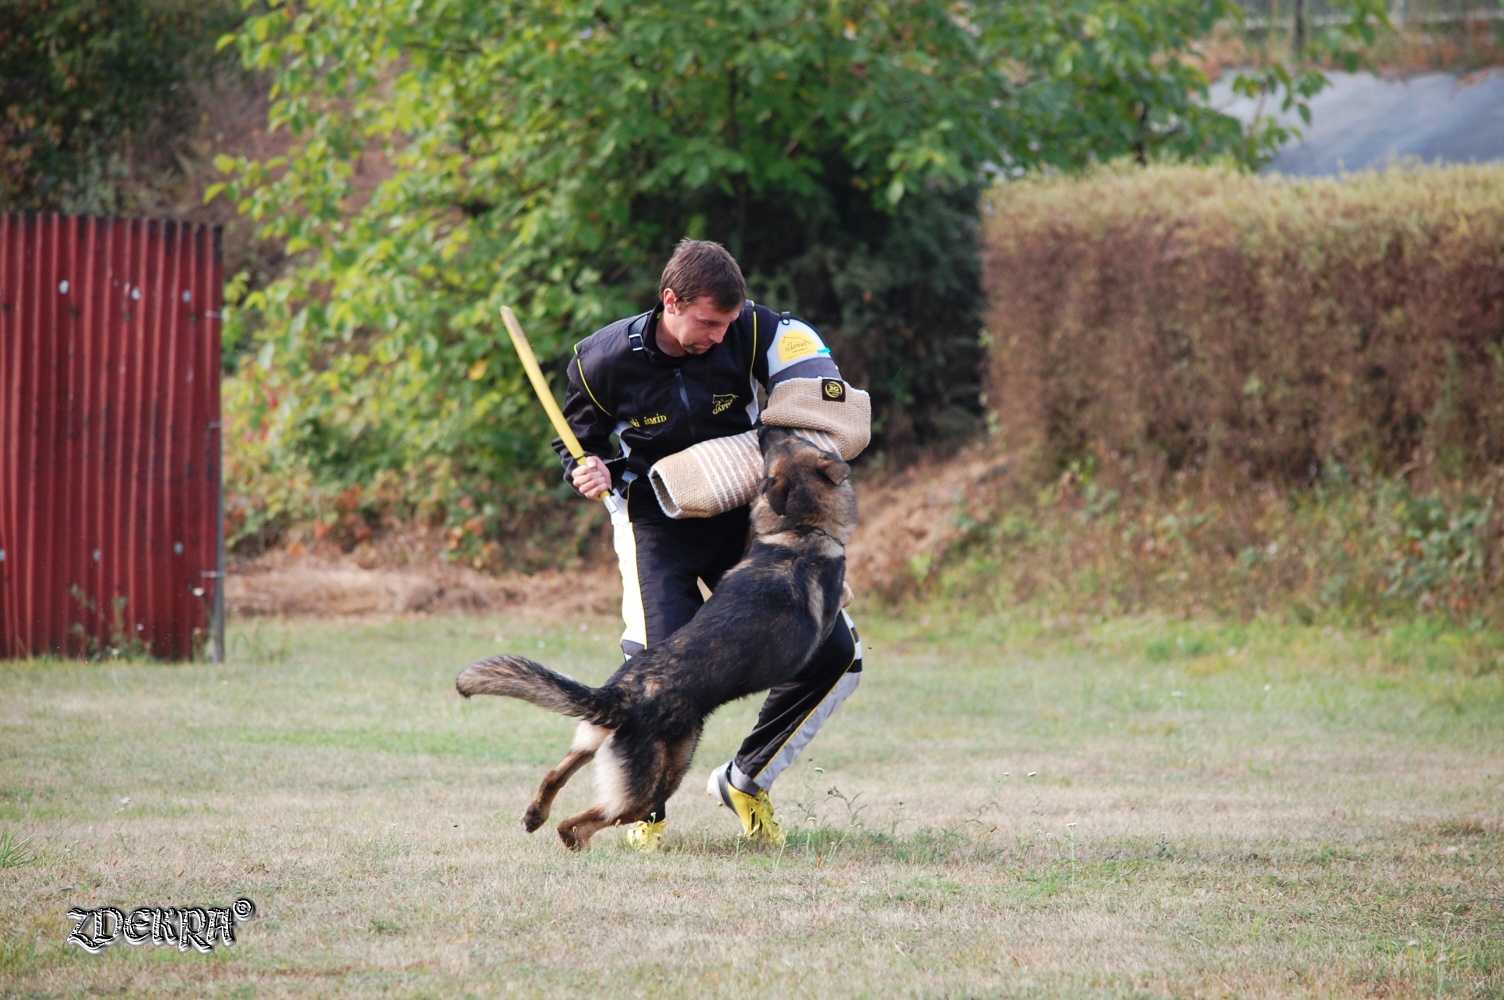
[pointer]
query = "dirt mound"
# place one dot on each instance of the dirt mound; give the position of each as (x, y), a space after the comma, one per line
(333, 585)
(908, 520)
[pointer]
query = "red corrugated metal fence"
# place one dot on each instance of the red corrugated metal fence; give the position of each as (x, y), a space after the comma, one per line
(109, 436)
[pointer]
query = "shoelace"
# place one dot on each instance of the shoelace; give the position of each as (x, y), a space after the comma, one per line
(763, 825)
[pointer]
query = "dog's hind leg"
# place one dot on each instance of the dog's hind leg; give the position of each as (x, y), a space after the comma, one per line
(587, 740)
(648, 772)
(626, 782)
(677, 756)
(658, 768)
(577, 830)
(537, 810)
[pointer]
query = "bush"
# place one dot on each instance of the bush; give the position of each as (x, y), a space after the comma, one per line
(1245, 396)
(1192, 320)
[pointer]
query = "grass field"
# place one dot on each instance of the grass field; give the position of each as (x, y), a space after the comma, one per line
(1131, 808)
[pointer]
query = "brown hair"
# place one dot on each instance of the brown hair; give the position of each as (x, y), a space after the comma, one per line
(701, 267)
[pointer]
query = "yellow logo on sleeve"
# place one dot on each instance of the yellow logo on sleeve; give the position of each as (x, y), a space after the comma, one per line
(796, 344)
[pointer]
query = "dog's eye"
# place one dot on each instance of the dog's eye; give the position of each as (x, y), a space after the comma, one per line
(777, 493)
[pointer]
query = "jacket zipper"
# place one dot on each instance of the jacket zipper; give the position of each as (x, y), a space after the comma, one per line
(694, 433)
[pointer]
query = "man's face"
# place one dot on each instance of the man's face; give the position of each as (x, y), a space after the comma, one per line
(692, 327)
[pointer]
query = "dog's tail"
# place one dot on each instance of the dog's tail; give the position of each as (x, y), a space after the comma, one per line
(519, 677)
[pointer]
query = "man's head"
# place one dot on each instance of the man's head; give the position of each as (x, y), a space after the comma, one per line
(702, 290)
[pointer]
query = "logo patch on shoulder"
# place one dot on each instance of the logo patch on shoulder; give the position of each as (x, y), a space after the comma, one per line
(833, 389)
(721, 402)
(796, 344)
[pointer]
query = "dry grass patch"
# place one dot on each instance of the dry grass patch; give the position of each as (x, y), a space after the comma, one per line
(1000, 810)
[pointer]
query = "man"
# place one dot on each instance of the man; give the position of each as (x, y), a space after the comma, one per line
(681, 374)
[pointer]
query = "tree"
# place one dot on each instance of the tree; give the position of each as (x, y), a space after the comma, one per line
(82, 80)
(453, 156)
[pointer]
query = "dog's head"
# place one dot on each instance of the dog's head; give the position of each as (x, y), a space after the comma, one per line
(802, 486)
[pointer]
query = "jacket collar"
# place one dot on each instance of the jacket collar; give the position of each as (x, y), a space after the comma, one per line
(643, 330)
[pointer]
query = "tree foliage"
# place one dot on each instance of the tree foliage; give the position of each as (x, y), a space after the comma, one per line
(452, 156)
(84, 78)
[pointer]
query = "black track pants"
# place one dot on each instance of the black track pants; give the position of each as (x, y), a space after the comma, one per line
(661, 564)
(794, 711)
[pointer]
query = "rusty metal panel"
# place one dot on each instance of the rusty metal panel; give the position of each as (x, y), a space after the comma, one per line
(109, 436)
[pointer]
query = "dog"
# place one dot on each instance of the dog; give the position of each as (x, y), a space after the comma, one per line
(765, 620)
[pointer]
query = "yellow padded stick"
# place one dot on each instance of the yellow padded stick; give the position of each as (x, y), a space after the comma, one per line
(545, 394)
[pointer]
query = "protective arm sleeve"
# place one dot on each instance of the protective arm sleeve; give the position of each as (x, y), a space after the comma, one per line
(806, 391)
(827, 411)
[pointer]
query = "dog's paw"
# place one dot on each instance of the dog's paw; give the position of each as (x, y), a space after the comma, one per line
(572, 839)
(533, 818)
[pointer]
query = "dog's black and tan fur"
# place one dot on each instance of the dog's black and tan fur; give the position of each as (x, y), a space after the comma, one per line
(765, 620)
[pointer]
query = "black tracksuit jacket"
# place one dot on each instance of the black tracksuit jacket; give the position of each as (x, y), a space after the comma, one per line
(621, 384)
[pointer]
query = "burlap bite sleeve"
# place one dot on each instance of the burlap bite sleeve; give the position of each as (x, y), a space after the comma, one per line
(709, 478)
(722, 474)
(827, 411)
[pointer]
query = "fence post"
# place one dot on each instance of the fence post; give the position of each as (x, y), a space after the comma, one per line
(219, 549)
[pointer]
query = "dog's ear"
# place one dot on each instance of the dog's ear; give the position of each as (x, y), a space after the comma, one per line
(775, 490)
(834, 469)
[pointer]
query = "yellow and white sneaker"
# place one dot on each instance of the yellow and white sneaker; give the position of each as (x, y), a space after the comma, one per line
(646, 837)
(755, 811)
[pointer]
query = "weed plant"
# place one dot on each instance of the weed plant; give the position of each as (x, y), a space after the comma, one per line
(1371, 552)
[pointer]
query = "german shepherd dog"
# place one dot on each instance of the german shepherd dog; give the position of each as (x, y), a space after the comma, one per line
(767, 617)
